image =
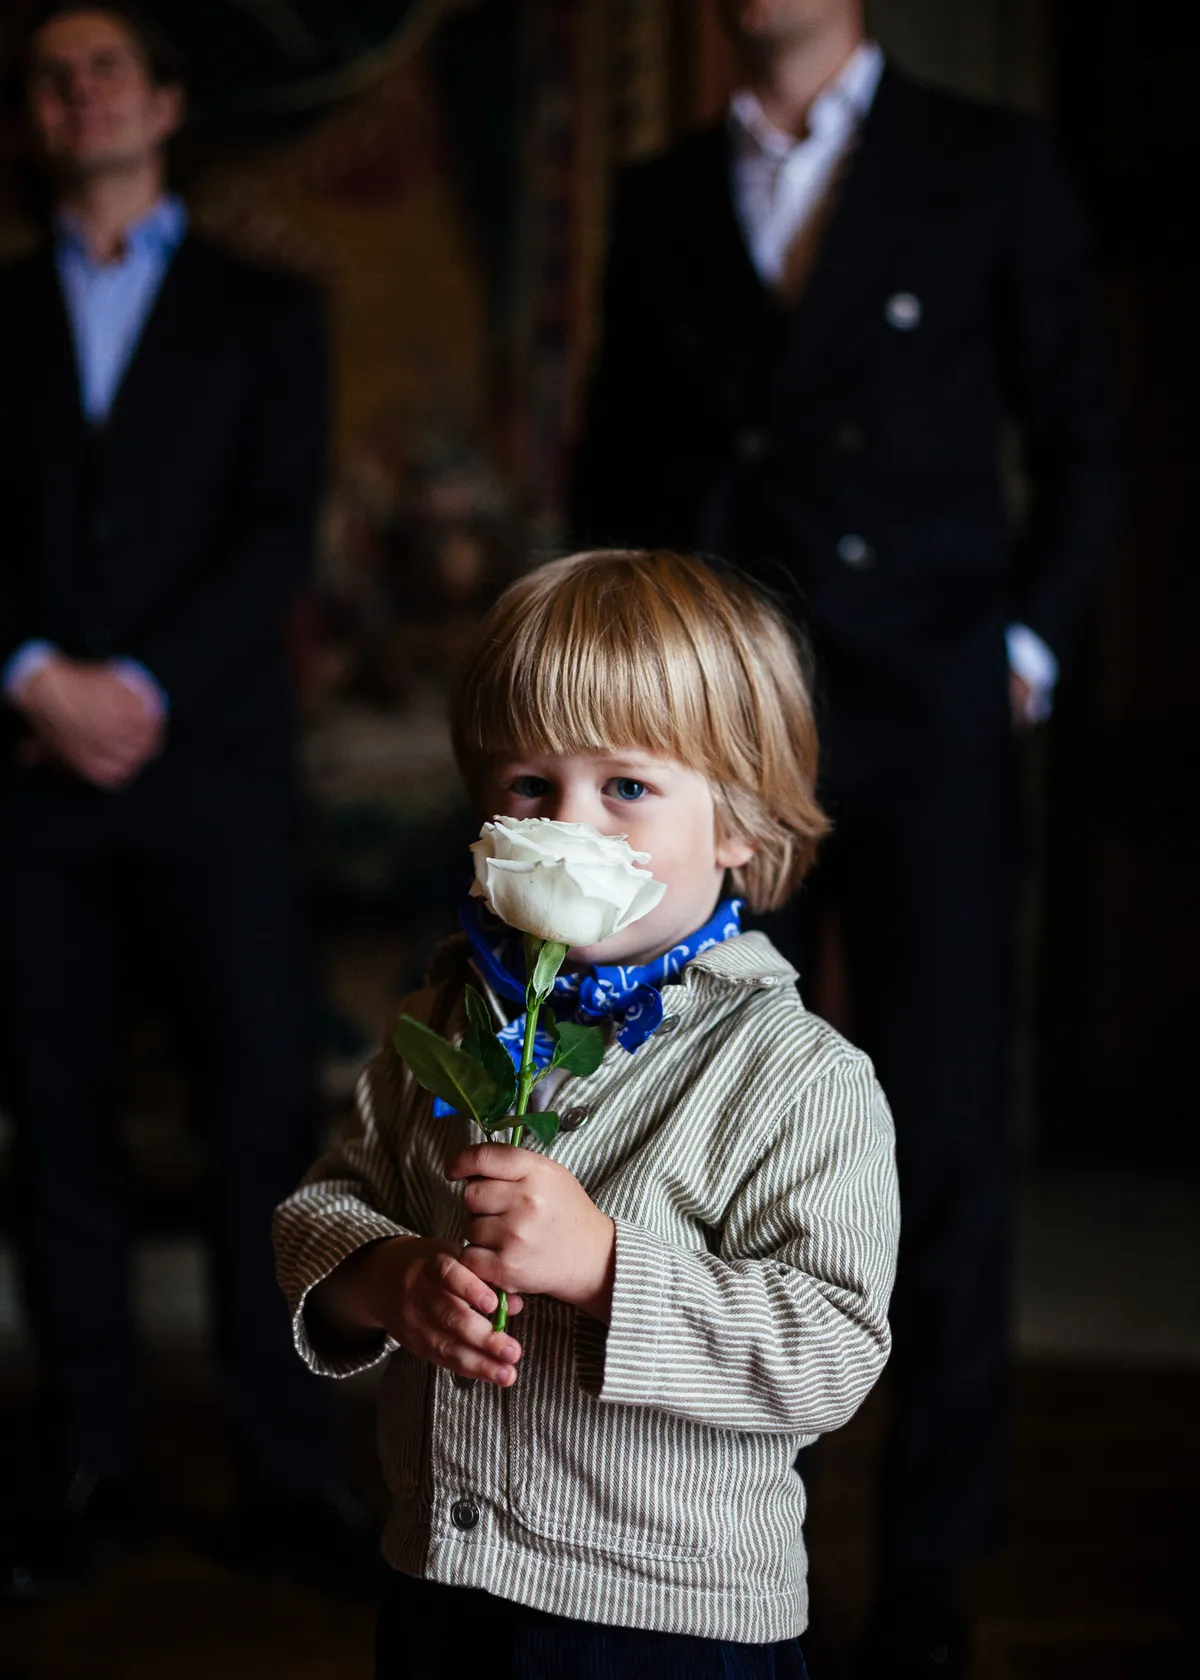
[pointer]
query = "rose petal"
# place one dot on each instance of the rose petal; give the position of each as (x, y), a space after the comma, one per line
(562, 881)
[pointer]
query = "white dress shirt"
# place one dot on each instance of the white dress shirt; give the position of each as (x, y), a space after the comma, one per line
(778, 182)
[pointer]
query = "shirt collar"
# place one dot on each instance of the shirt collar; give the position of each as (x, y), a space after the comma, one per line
(843, 101)
(158, 233)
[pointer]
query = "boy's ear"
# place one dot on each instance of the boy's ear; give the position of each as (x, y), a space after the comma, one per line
(732, 852)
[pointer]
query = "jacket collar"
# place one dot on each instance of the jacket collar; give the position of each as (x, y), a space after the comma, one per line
(748, 960)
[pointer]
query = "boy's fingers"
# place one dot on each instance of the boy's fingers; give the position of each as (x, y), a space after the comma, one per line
(467, 1284)
(501, 1376)
(489, 1160)
(486, 1233)
(469, 1333)
(487, 1264)
(472, 1288)
(488, 1195)
(467, 1360)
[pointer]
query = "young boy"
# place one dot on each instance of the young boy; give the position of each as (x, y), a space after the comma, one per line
(704, 1267)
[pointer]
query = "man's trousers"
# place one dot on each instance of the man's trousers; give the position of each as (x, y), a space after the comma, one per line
(921, 873)
(203, 858)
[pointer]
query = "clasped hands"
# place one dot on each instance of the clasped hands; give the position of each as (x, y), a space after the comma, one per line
(533, 1230)
(85, 718)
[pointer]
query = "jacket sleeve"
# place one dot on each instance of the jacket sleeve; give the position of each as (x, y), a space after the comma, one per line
(225, 611)
(784, 1329)
(353, 1196)
(1054, 350)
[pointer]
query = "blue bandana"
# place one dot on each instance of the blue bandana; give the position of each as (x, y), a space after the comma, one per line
(629, 996)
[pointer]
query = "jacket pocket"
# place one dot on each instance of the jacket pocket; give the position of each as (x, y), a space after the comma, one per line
(624, 1479)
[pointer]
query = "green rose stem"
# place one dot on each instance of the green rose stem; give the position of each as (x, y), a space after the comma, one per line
(543, 959)
(524, 1087)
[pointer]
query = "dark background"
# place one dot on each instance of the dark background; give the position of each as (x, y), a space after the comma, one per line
(445, 170)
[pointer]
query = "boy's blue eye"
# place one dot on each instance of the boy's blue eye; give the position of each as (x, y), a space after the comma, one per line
(530, 787)
(627, 788)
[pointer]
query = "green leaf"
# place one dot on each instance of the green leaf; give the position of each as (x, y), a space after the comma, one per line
(543, 959)
(543, 1125)
(479, 1016)
(481, 1042)
(577, 1048)
(499, 1065)
(444, 1069)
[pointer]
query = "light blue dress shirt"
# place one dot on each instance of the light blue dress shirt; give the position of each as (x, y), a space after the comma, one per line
(108, 305)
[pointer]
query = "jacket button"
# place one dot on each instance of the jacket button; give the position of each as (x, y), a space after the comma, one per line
(855, 551)
(668, 1023)
(464, 1514)
(903, 311)
(573, 1119)
(461, 1381)
(752, 445)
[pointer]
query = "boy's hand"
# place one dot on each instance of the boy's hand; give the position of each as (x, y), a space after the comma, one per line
(421, 1293)
(535, 1228)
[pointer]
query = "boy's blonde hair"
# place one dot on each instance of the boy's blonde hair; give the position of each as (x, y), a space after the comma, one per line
(624, 648)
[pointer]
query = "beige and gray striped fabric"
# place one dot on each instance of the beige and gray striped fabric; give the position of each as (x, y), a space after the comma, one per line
(639, 1475)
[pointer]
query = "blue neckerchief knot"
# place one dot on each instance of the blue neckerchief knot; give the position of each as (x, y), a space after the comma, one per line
(630, 996)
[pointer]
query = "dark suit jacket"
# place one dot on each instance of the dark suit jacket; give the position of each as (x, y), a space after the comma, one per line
(178, 532)
(851, 461)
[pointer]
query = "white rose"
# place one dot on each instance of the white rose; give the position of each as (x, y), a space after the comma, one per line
(562, 881)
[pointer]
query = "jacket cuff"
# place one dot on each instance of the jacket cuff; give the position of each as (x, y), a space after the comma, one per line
(322, 1350)
(624, 1370)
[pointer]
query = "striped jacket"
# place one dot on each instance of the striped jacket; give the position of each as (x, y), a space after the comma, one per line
(638, 1474)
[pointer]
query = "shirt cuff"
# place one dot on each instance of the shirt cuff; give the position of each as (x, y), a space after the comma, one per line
(26, 662)
(141, 682)
(1030, 659)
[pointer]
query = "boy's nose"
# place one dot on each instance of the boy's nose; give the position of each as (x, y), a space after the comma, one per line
(576, 805)
(568, 807)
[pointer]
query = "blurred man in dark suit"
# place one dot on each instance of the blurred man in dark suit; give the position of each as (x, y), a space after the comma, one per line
(820, 316)
(162, 442)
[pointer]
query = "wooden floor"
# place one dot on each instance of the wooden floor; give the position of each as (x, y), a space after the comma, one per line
(1099, 1580)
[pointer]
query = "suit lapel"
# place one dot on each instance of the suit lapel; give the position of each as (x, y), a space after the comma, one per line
(41, 400)
(866, 218)
(173, 336)
(49, 349)
(713, 218)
